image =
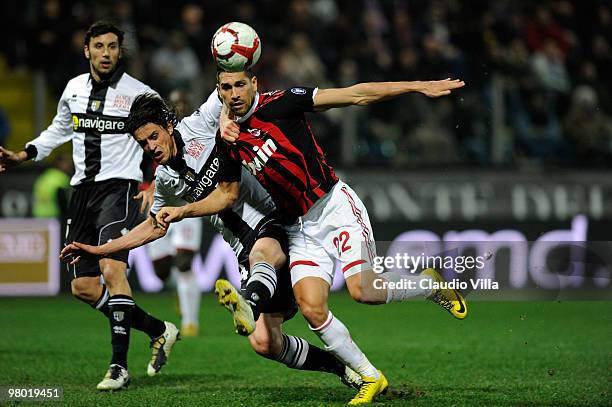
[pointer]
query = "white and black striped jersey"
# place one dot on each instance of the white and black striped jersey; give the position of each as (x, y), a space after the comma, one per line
(93, 116)
(196, 171)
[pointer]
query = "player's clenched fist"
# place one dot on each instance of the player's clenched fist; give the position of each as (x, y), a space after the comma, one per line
(169, 214)
(229, 129)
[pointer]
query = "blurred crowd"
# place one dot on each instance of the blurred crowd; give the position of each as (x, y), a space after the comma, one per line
(537, 91)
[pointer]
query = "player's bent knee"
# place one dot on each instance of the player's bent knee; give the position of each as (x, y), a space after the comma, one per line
(314, 314)
(183, 260)
(269, 251)
(84, 289)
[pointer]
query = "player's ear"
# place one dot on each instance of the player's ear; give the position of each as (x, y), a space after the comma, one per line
(254, 82)
(86, 51)
(170, 128)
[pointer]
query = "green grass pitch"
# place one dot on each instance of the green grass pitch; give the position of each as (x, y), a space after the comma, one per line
(504, 353)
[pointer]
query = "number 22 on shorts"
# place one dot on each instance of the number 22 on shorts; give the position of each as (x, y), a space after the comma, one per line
(341, 242)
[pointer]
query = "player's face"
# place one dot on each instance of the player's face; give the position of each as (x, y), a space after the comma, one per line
(103, 53)
(237, 91)
(156, 141)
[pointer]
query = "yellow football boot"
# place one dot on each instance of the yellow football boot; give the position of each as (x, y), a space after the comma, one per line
(449, 299)
(241, 311)
(370, 388)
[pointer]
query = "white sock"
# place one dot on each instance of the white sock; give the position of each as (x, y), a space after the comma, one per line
(338, 342)
(189, 296)
(405, 286)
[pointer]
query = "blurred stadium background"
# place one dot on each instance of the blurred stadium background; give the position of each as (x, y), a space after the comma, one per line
(524, 148)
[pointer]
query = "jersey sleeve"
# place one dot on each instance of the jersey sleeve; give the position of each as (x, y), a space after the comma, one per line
(229, 168)
(58, 132)
(159, 200)
(205, 121)
(294, 101)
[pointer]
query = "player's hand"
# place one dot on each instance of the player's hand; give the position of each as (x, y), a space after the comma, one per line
(9, 159)
(434, 89)
(229, 129)
(73, 252)
(168, 215)
(147, 196)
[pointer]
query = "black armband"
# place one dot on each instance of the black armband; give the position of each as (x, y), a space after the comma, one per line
(31, 151)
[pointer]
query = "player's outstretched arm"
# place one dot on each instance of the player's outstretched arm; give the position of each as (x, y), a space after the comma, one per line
(363, 94)
(142, 234)
(223, 197)
(10, 159)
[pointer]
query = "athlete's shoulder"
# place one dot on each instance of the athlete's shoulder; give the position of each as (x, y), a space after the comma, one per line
(129, 82)
(268, 97)
(78, 82)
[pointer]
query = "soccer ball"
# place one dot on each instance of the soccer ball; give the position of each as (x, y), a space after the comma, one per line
(235, 47)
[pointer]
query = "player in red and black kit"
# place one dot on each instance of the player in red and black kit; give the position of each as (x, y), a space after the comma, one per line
(325, 220)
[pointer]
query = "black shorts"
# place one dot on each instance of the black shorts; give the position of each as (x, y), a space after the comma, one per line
(283, 300)
(100, 212)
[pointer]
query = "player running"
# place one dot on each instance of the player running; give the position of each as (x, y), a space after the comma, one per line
(91, 112)
(325, 220)
(190, 167)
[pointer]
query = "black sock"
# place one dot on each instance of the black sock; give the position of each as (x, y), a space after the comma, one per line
(299, 354)
(120, 308)
(141, 320)
(147, 323)
(260, 287)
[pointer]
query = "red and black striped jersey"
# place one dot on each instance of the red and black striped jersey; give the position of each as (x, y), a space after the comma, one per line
(277, 146)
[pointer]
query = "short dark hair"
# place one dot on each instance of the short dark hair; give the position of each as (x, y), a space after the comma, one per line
(101, 28)
(249, 72)
(149, 108)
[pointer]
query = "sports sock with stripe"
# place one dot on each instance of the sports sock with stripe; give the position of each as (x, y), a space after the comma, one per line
(338, 342)
(299, 354)
(260, 287)
(120, 308)
(141, 320)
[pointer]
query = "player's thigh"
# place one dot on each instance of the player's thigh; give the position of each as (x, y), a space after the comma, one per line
(346, 232)
(308, 258)
(271, 244)
(81, 227)
(311, 294)
(117, 213)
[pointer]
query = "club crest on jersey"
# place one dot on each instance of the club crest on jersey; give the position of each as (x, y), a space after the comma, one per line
(255, 132)
(95, 105)
(263, 155)
(190, 176)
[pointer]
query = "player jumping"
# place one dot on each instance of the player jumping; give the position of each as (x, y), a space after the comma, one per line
(325, 220)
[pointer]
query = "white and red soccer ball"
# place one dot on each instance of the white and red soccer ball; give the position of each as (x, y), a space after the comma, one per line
(235, 47)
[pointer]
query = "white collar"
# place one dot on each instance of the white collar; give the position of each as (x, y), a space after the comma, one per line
(248, 114)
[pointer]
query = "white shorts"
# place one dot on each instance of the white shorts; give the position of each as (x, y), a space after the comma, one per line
(337, 227)
(185, 235)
